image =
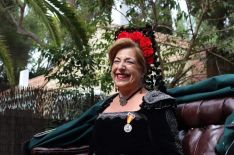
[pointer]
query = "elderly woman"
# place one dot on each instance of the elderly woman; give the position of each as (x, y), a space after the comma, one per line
(135, 120)
(138, 120)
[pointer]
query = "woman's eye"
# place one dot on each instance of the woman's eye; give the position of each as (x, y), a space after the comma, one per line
(116, 61)
(130, 62)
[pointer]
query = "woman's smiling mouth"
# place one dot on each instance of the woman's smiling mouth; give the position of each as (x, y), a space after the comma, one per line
(122, 76)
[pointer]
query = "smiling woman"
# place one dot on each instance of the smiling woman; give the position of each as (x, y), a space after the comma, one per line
(128, 70)
(136, 120)
(139, 119)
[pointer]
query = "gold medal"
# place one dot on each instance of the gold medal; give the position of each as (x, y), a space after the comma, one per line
(128, 126)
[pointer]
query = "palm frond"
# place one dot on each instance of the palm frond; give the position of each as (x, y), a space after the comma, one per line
(7, 62)
(68, 17)
(40, 9)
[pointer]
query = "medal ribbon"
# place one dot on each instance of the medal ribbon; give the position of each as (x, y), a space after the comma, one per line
(130, 117)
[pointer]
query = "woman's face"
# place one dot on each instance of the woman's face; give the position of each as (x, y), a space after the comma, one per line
(126, 71)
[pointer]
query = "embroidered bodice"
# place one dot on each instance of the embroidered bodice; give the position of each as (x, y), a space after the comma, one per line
(153, 129)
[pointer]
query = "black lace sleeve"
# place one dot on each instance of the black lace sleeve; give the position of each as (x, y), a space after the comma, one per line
(159, 108)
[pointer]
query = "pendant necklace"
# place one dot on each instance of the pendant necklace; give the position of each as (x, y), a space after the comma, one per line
(123, 100)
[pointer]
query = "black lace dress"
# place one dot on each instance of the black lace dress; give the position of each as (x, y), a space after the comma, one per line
(153, 130)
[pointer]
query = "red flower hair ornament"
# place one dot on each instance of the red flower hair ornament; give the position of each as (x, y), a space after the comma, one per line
(145, 38)
(144, 43)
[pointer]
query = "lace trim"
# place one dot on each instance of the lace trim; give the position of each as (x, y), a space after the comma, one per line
(151, 100)
(122, 115)
(158, 100)
(155, 96)
(171, 120)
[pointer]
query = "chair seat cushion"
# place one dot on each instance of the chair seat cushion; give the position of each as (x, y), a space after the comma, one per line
(201, 141)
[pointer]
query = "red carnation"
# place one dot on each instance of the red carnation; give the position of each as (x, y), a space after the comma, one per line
(137, 36)
(148, 52)
(143, 41)
(123, 34)
(150, 60)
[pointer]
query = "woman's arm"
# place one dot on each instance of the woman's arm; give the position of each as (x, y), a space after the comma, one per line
(163, 126)
(159, 109)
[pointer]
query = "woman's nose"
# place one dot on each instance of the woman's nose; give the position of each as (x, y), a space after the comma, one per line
(122, 65)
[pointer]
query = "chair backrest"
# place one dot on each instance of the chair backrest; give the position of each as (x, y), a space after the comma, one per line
(201, 124)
